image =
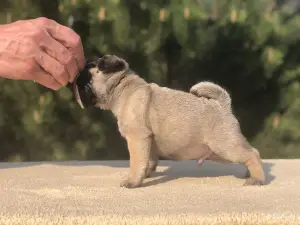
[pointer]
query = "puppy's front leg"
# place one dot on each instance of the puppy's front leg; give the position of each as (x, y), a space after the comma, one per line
(139, 151)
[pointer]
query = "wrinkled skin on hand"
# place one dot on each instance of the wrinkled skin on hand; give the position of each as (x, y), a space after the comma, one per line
(40, 50)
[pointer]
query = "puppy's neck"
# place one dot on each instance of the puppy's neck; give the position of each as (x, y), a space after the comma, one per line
(122, 92)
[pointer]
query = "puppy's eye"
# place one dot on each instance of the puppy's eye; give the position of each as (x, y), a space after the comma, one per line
(101, 64)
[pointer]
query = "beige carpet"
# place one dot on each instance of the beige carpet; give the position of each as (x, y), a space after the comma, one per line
(179, 193)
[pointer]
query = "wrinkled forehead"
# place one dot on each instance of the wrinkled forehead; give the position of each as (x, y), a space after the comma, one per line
(111, 64)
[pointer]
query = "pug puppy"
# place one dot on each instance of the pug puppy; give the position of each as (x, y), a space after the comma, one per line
(159, 121)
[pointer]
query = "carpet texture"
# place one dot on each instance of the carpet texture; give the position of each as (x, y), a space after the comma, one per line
(178, 193)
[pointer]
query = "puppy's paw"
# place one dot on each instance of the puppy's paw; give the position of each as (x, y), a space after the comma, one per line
(252, 181)
(128, 183)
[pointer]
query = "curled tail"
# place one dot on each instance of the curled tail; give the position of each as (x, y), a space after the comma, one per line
(210, 90)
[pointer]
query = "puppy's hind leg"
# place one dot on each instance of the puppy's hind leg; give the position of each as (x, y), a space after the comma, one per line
(236, 149)
(247, 174)
(214, 157)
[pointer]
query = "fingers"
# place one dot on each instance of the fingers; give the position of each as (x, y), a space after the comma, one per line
(46, 80)
(44, 51)
(69, 39)
(63, 56)
(53, 67)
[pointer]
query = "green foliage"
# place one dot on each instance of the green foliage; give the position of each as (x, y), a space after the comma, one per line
(250, 47)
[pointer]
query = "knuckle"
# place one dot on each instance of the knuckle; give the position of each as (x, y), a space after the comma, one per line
(43, 21)
(77, 41)
(36, 34)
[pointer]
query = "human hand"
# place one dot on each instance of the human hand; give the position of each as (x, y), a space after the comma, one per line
(40, 50)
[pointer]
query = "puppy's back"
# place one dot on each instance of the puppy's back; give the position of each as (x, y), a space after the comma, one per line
(173, 111)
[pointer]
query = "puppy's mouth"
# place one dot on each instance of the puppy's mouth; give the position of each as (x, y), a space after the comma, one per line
(82, 87)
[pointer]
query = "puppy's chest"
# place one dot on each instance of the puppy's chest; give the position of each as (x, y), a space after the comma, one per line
(133, 128)
(123, 129)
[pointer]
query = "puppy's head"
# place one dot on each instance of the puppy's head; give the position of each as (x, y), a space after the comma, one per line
(94, 84)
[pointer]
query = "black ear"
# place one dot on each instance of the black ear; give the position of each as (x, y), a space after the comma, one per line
(119, 66)
(111, 64)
